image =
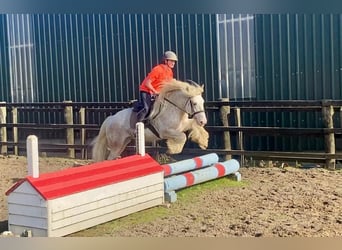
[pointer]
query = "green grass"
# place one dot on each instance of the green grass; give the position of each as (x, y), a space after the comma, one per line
(184, 196)
(190, 193)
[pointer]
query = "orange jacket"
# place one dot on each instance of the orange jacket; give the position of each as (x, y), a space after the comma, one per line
(158, 75)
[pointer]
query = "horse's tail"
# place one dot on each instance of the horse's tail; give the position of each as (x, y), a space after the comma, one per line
(100, 151)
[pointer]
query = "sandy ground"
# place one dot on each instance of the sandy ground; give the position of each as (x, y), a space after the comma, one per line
(13, 168)
(274, 202)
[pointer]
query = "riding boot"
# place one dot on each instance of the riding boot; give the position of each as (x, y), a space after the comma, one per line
(141, 115)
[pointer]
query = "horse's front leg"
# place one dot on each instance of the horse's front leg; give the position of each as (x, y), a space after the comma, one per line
(175, 142)
(200, 136)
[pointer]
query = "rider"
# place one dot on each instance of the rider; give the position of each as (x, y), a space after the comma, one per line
(151, 85)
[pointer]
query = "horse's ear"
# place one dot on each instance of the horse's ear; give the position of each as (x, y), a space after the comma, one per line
(193, 83)
(202, 86)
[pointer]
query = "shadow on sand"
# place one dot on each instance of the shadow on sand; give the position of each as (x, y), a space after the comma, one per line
(3, 226)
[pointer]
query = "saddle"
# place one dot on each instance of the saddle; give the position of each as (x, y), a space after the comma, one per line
(136, 108)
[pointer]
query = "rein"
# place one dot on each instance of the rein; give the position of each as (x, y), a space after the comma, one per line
(190, 116)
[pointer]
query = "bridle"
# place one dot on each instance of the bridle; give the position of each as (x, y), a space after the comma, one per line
(190, 115)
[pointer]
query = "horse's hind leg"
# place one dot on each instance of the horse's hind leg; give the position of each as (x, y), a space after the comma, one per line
(113, 155)
(116, 148)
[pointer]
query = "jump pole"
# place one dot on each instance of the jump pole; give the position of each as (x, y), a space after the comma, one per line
(215, 171)
(140, 138)
(32, 156)
(190, 164)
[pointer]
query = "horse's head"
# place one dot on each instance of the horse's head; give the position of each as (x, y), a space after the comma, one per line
(195, 109)
(196, 104)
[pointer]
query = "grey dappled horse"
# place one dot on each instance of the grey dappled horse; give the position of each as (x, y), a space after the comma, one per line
(179, 108)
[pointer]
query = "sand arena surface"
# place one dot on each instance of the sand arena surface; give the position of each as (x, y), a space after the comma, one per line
(275, 202)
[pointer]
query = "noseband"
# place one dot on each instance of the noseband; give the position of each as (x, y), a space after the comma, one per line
(190, 115)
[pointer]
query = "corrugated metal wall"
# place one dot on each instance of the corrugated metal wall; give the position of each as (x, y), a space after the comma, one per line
(294, 57)
(5, 93)
(298, 56)
(101, 57)
(104, 57)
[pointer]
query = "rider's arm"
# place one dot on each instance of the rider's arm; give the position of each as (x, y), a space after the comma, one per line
(148, 84)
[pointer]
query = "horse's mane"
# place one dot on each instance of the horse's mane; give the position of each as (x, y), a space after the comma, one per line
(188, 89)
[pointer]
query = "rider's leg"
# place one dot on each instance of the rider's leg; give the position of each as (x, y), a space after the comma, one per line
(145, 99)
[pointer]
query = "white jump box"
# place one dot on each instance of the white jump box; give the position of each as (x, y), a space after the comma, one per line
(67, 201)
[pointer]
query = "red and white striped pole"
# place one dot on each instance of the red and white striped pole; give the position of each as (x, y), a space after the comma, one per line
(190, 164)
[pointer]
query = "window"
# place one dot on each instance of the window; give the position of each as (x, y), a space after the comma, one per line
(21, 57)
(236, 60)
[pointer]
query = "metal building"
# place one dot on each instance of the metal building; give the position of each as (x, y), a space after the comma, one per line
(57, 57)
(298, 57)
(104, 57)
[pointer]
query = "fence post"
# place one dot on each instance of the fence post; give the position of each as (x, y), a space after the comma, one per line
(224, 113)
(70, 140)
(240, 137)
(82, 120)
(15, 129)
(340, 117)
(3, 130)
(329, 138)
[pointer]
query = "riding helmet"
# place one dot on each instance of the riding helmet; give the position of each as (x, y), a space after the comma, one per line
(170, 55)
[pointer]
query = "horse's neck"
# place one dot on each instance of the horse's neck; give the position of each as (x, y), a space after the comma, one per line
(170, 113)
(175, 102)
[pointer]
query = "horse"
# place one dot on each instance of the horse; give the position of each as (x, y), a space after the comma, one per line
(177, 113)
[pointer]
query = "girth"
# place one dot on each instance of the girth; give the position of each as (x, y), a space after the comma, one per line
(153, 129)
